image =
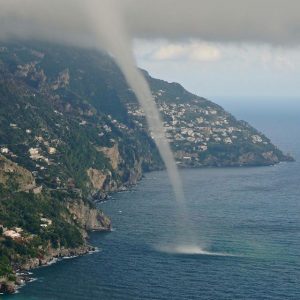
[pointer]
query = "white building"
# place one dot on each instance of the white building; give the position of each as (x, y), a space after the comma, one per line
(12, 234)
(4, 150)
(51, 150)
(256, 139)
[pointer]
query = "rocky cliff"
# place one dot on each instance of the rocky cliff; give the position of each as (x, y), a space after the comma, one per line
(61, 232)
(87, 216)
(15, 176)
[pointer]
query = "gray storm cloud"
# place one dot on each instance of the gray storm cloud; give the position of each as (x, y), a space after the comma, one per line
(265, 21)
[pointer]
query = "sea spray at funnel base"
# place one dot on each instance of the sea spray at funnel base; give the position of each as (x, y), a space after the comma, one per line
(182, 249)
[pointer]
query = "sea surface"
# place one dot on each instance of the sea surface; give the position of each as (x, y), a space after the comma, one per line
(246, 221)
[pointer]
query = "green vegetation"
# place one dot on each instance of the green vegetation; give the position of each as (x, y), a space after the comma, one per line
(25, 211)
(5, 266)
(65, 112)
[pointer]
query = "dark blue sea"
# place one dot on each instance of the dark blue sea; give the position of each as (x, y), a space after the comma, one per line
(247, 221)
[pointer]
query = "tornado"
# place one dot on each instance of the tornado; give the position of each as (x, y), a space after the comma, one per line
(113, 36)
(118, 43)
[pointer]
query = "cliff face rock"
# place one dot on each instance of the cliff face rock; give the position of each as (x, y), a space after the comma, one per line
(6, 286)
(247, 158)
(112, 154)
(54, 253)
(101, 183)
(271, 156)
(62, 81)
(97, 178)
(267, 158)
(87, 217)
(13, 174)
(136, 172)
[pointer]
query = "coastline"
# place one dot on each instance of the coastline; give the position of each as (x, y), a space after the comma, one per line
(22, 274)
(88, 219)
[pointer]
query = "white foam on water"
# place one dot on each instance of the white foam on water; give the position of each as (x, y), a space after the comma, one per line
(97, 250)
(189, 250)
(70, 257)
(52, 261)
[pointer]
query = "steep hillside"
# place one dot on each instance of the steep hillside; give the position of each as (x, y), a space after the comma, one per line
(38, 224)
(65, 107)
(71, 131)
(59, 118)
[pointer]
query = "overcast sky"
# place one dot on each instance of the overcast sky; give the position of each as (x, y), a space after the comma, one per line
(215, 48)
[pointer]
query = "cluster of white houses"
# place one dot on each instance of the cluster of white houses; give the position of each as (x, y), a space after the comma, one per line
(189, 124)
(189, 127)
